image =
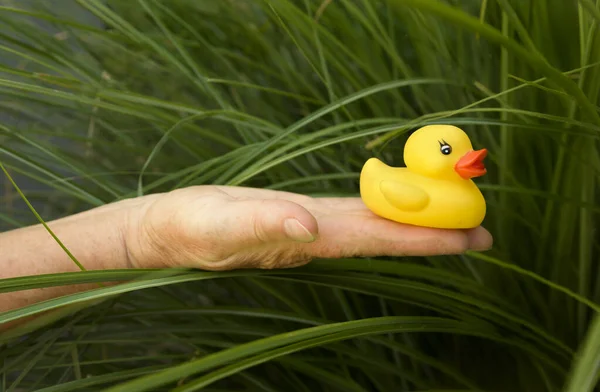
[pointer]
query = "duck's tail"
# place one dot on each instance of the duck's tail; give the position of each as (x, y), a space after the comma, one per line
(373, 165)
(370, 175)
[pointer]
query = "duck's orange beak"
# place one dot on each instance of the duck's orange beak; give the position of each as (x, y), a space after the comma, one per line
(471, 164)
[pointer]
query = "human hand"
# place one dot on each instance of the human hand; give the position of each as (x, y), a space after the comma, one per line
(224, 228)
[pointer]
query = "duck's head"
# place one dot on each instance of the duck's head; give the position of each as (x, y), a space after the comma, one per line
(443, 151)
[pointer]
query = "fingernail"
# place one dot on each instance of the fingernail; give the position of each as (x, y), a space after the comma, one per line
(296, 231)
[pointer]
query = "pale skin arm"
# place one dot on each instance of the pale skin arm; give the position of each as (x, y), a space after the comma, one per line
(215, 228)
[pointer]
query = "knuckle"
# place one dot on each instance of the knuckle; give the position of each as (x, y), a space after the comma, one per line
(162, 236)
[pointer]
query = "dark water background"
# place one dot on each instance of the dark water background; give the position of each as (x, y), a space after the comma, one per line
(11, 205)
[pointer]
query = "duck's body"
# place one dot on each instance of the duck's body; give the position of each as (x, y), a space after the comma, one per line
(400, 195)
(435, 188)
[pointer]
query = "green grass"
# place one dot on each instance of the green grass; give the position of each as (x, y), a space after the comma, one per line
(296, 95)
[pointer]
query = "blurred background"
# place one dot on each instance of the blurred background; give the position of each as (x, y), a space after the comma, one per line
(105, 100)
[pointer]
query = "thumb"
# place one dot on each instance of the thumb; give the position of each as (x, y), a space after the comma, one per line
(257, 222)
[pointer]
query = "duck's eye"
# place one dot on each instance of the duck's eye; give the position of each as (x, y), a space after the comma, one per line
(445, 148)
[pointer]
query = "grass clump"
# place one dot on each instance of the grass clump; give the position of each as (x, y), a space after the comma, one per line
(108, 100)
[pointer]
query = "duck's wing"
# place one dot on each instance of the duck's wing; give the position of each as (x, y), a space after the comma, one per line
(404, 196)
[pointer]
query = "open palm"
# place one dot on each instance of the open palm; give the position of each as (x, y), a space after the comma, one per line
(222, 228)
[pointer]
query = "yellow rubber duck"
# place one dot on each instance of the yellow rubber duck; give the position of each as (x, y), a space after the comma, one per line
(435, 188)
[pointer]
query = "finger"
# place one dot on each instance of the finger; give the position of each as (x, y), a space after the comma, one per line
(260, 234)
(480, 239)
(374, 236)
(248, 223)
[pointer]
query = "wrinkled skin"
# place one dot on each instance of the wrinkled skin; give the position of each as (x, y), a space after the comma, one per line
(213, 228)
(223, 228)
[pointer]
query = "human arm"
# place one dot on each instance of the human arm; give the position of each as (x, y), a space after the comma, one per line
(215, 228)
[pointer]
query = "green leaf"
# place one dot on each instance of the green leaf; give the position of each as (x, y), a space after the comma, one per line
(309, 337)
(586, 368)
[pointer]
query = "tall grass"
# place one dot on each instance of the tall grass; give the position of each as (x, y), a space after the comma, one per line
(296, 95)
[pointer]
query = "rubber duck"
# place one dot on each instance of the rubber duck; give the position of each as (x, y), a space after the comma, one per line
(435, 189)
